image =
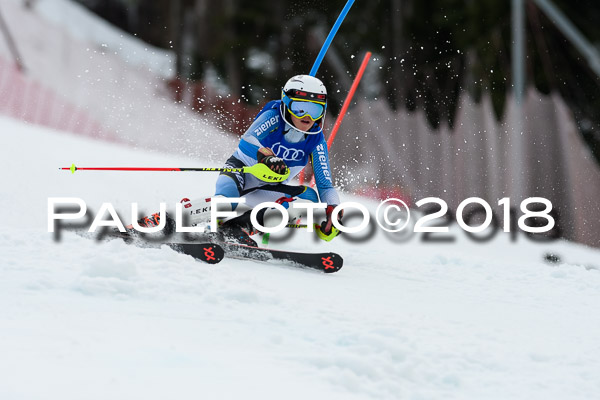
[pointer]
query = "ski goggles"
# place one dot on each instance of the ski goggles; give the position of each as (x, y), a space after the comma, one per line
(301, 108)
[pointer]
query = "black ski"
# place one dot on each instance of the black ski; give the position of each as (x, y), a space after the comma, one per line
(326, 262)
(208, 252)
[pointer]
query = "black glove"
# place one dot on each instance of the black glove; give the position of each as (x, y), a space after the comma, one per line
(327, 225)
(266, 156)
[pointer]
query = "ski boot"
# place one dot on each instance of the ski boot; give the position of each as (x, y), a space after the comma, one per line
(153, 220)
(150, 221)
(236, 230)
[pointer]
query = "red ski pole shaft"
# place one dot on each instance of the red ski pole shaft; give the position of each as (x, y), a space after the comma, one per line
(347, 101)
(120, 169)
(73, 168)
(261, 171)
(340, 118)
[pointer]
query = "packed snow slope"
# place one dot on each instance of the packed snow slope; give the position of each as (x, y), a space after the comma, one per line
(401, 320)
(104, 74)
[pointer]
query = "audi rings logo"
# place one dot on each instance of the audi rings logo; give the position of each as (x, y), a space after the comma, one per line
(287, 154)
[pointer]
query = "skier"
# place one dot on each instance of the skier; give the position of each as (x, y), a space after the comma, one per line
(285, 134)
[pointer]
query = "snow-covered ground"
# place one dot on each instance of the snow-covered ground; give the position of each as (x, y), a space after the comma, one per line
(87, 27)
(113, 77)
(401, 320)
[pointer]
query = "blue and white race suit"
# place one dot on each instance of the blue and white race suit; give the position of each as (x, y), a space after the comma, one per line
(295, 147)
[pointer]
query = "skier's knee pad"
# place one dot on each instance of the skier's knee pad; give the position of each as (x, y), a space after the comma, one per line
(309, 194)
(297, 213)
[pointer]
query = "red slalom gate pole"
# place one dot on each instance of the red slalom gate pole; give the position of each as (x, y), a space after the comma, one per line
(342, 114)
(349, 97)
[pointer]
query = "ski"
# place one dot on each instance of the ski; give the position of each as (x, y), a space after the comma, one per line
(327, 262)
(203, 250)
(208, 252)
(209, 249)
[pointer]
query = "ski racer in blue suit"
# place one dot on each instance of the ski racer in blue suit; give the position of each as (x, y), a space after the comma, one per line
(286, 133)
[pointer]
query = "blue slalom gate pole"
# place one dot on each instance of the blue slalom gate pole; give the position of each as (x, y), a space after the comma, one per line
(330, 37)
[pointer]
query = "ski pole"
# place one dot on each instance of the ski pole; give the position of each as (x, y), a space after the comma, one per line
(261, 171)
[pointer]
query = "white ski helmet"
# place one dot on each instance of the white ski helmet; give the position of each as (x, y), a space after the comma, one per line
(304, 95)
